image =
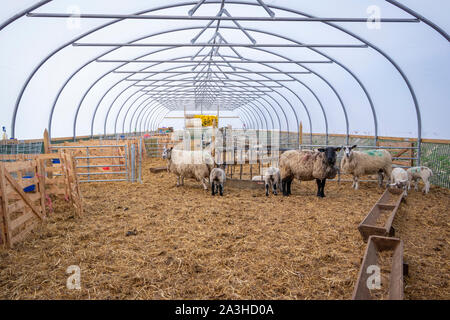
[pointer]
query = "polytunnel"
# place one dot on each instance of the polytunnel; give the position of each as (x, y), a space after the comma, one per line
(224, 150)
(373, 68)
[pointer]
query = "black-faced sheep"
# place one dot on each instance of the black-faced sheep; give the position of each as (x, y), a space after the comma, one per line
(217, 179)
(272, 179)
(361, 163)
(189, 164)
(308, 165)
(399, 179)
(416, 173)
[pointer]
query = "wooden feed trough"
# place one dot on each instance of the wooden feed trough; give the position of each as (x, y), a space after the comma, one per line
(244, 184)
(158, 169)
(379, 220)
(387, 254)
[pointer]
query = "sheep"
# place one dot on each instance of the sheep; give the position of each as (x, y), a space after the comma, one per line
(399, 179)
(417, 173)
(272, 180)
(189, 164)
(217, 179)
(308, 165)
(360, 163)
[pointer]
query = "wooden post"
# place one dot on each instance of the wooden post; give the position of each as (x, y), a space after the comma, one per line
(3, 211)
(46, 142)
(40, 180)
(300, 132)
(4, 204)
(47, 146)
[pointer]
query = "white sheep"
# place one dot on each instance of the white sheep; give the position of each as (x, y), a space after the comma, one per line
(308, 165)
(272, 179)
(399, 179)
(416, 173)
(189, 164)
(217, 179)
(361, 163)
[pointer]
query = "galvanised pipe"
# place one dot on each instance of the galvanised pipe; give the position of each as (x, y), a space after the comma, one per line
(275, 111)
(247, 78)
(228, 18)
(273, 91)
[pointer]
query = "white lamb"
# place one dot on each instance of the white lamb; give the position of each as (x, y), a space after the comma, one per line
(217, 179)
(361, 163)
(272, 179)
(416, 173)
(399, 179)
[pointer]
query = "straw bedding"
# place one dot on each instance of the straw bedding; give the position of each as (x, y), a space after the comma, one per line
(157, 241)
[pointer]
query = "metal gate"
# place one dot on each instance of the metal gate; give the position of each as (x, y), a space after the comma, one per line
(107, 163)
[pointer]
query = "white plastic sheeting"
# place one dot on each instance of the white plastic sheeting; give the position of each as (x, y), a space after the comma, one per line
(46, 82)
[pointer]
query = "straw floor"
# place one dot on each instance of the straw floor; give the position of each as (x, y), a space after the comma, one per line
(190, 245)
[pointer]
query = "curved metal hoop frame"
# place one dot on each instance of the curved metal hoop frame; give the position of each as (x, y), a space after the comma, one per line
(244, 108)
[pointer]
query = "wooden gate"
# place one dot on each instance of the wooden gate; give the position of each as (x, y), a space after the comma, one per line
(20, 211)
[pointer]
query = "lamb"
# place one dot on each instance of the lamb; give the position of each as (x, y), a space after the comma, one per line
(217, 179)
(189, 164)
(399, 179)
(417, 173)
(272, 179)
(308, 165)
(360, 163)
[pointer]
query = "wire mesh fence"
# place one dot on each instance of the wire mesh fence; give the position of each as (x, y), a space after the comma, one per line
(437, 157)
(12, 150)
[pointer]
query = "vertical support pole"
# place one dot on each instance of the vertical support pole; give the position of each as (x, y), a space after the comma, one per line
(419, 150)
(140, 159)
(259, 166)
(300, 132)
(213, 139)
(87, 160)
(125, 156)
(218, 108)
(133, 162)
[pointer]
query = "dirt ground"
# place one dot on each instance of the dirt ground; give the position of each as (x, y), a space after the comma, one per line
(190, 245)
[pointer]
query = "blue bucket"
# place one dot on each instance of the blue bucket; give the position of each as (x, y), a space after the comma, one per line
(30, 188)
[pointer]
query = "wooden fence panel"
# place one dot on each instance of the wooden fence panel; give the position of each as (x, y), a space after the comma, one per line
(20, 211)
